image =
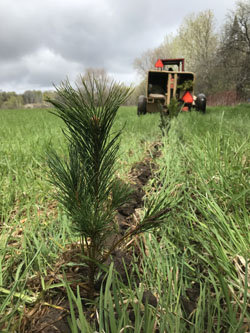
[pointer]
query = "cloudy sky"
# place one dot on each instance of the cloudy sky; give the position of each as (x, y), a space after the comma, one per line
(44, 41)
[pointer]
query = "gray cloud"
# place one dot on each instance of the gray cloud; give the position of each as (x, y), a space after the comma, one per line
(44, 41)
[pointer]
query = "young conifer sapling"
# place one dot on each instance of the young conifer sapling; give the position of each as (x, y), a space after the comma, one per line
(85, 179)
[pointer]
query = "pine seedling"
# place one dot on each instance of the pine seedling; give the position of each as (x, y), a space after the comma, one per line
(166, 117)
(85, 179)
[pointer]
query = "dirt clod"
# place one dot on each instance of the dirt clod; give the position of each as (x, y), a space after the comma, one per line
(149, 298)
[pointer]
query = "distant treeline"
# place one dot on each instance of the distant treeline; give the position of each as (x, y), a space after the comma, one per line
(29, 99)
(32, 99)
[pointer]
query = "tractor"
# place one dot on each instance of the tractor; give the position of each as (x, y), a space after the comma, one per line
(167, 81)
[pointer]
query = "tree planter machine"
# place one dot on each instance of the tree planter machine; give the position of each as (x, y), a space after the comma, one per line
(167, 81)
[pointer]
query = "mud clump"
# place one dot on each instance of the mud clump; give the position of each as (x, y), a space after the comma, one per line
(140, 174)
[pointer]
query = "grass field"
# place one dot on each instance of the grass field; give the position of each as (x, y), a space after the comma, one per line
(197, 266)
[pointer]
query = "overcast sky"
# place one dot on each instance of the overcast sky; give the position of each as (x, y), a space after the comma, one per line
(44, 41)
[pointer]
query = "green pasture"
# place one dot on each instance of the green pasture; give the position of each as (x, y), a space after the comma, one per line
(203, 176)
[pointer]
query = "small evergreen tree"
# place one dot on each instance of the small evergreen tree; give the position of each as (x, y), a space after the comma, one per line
(166, 116)
(85, 179)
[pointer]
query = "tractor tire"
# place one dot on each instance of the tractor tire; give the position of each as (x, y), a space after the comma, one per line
(142, 105)
(200, 103)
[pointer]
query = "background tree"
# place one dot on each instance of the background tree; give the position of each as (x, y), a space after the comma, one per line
(199, 43)
(10, 100)
(33, 97)
(234, 53)
(169, 48)
(49, 94)
(100, 74)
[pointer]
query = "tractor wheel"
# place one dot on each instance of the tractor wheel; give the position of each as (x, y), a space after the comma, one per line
(200, 103)
(142, 104)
